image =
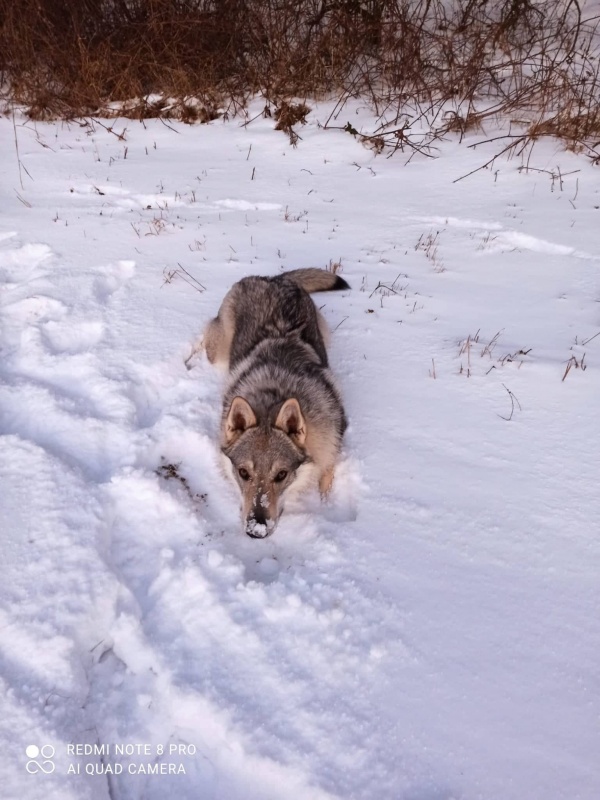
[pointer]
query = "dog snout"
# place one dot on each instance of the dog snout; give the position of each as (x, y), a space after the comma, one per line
(258, 525)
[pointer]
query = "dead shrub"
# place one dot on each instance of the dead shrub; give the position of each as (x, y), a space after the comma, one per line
(289, 114)
(428, 67)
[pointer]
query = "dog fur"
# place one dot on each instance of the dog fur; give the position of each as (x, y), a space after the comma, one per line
(281, 409)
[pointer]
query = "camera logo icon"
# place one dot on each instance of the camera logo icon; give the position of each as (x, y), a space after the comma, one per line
(40, 759)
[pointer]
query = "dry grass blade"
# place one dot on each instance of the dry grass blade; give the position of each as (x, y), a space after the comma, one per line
(514, 403)
(575, 363)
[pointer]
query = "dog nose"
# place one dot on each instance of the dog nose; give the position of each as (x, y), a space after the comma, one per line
(257, 524)
(256, 531)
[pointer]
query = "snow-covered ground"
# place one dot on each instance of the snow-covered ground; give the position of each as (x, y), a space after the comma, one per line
(433, 631)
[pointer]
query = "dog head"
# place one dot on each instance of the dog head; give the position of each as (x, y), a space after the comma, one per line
(265, 457)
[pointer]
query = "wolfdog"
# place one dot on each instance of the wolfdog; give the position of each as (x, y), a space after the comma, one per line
(282, 413)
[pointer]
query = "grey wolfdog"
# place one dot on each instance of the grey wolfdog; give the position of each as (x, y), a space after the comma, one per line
(282, 413)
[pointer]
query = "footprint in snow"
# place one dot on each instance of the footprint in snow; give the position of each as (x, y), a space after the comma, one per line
(34, 309)
(20, 265)
(113, 278)
(69, 337)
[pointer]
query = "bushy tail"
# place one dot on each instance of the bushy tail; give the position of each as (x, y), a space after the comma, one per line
(316, 280)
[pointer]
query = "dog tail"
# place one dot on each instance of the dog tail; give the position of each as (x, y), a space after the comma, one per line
(316, 280)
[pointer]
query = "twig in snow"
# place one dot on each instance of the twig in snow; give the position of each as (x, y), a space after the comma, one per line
(513, 400)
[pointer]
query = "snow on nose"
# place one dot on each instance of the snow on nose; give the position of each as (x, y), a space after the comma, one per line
(258, 525)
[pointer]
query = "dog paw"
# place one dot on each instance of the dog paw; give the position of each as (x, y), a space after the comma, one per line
(345, 490)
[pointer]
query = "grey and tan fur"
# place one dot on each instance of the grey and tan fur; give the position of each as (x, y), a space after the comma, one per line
(282, 411)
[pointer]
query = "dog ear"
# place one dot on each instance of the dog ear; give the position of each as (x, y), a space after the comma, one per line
(290, 421)
(240, 418)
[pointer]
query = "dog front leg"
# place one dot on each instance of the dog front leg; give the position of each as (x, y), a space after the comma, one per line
(325, 481)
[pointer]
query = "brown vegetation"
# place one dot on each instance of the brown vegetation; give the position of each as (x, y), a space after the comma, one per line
(433, 65)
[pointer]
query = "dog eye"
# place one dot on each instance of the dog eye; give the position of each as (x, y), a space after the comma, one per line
(281, 476)
(244, 474)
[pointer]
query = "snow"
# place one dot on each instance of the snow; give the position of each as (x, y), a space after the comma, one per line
(432, 631)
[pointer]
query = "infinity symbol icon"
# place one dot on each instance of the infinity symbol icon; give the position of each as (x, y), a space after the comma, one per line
(46, 766)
